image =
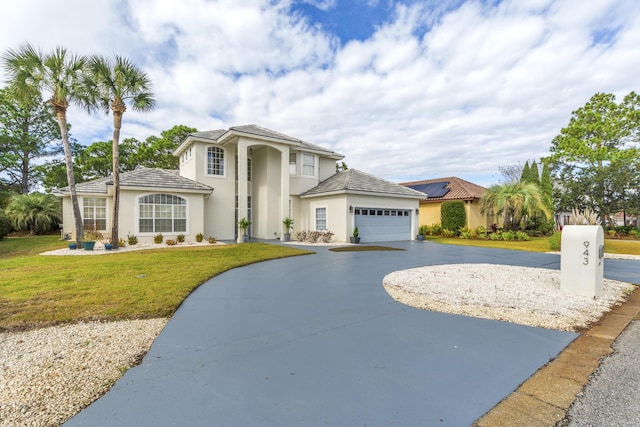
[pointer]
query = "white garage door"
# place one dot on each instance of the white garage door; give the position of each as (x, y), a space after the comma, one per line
(383, 225)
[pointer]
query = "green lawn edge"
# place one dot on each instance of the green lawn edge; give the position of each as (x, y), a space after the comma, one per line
(38, 291)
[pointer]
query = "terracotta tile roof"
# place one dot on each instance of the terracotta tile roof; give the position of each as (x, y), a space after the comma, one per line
(355, 181)
(458, 189)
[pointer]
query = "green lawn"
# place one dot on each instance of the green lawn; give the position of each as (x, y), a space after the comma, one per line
(539, 244)
(37, 290)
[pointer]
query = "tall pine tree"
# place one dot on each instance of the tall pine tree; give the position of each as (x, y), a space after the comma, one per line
(524, 177)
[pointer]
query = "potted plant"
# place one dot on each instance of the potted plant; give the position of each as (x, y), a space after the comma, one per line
(90, 237)
(107, 244)
(288, 225)
(355, 238)
(244, 223)
(422, 231)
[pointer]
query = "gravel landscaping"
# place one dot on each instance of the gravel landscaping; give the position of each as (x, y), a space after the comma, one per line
(50, 374)
(523, 295)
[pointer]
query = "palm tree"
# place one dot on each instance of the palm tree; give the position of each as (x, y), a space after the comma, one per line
(514, 200)
(112, 83)
(35, 212)
(59, 75)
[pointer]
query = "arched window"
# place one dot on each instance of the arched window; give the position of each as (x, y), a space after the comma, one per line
(162, 213)
(215, 161)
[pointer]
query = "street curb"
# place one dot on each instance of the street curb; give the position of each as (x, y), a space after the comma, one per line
(544, 398)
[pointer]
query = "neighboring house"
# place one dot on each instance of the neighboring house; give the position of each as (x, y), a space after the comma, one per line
(442, 190)
(254, 173)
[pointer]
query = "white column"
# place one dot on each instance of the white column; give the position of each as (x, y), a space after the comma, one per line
(284, 189)
(242, 184)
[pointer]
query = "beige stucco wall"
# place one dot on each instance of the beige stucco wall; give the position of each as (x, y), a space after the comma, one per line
(340, 220)
(337, 215)
(129, 215)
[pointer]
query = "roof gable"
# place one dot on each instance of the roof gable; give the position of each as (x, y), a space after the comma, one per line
(451, 188)
(355, 181)
(220, 135)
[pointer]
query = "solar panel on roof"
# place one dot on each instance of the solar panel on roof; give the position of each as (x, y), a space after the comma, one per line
(433, 190)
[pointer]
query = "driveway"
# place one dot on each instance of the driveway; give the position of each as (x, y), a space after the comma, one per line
(315, 340)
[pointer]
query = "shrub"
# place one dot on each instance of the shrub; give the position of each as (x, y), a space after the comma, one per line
(634, 233)
(435, 229)
(180, 238)
(555, 241)
(35, 212)
(423, 230)
(495, 236)
(481, 232)
(199, 237)
(466, 234)
(521, 235)
(5, 225)
(132, 239)
(507, 236)
(121, 243)
(314, 236)
(212, 240)
(452, 215)
(169, 242)
(447, 233)
(158, 238)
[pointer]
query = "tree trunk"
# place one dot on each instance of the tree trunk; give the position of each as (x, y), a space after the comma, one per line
(118, 110)
(61, 115)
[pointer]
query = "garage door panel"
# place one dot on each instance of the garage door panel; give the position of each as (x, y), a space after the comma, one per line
(380, 225)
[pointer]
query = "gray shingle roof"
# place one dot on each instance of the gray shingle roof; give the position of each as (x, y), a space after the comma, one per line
(143, 178)
(209, 134)
(220, 134)
(355, 181)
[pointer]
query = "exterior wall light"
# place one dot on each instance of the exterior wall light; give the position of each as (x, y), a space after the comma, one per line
(351, 208)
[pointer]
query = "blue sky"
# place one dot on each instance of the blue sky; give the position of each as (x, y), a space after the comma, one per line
(406, 90)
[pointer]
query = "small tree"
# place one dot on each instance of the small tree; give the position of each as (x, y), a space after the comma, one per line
(514, 201)
(453, 215)
(35, 212)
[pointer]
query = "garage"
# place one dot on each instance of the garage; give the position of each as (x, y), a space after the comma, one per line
(383, 225)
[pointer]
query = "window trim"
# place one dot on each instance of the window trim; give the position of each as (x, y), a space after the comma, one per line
(315, 162)
(293, 165)
(224, 162)
(173, 218)
(93, 217)
(326, 218)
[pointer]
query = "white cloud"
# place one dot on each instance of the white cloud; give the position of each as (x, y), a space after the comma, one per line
(437, 90)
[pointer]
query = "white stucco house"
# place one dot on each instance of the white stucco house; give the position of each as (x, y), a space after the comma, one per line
(249, 172)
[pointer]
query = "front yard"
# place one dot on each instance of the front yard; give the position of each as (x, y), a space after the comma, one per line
(37, 291)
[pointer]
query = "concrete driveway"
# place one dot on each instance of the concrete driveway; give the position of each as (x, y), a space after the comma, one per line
(315, 340)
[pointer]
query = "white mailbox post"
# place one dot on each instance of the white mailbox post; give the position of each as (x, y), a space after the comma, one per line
(581, 260)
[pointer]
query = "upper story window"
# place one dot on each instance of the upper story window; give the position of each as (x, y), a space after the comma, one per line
(249, 168)
(162, 213)
(186, 155)
(308, 165)
(94, 213)
(215, 161)
(293, 166)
